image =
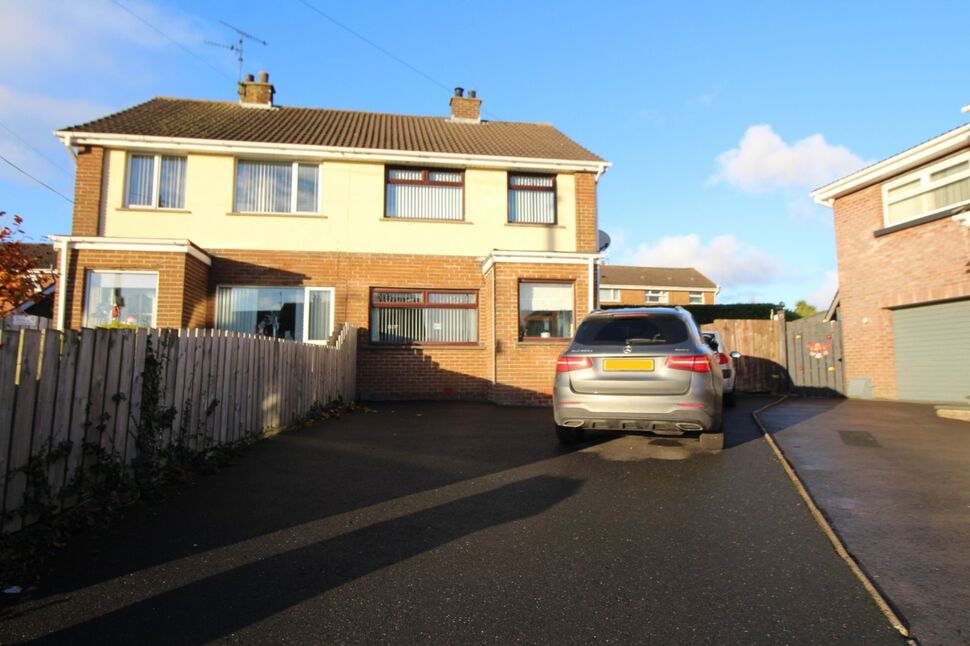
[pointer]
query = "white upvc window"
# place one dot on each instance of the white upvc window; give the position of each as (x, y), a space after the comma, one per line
(277, 187)
(292, 313)
(655, 296)
(609, 295)
(155, 182)
(928, 191)
(695, 298)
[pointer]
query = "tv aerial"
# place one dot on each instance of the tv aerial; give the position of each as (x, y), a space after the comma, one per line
(238, 46)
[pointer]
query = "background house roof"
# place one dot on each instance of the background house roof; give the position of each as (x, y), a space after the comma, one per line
(227, 121)
(654, 276)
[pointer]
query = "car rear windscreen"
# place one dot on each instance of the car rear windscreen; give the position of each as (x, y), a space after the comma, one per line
(621, 330)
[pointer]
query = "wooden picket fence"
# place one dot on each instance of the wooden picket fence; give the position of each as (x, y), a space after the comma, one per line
(63, 393)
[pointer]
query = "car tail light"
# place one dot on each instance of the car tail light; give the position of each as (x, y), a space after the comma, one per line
(694, 363)
(568, 364)
(722, 358)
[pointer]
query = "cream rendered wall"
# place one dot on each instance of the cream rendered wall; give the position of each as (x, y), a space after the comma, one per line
(351, 219)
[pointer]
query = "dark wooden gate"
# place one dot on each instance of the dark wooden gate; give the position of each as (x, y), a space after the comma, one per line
(814, 356)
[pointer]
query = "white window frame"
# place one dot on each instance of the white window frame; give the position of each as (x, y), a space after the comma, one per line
(306, 314)
(925, 185)
(87, 290)
(156, 181)
(306, 310)
(610, 300)
(663, 294)
(691, 295)
(294, 186)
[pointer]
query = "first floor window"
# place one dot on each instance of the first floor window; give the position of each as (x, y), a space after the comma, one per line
(609, 295)
(407, 316)
(291, 313)
(424, 193)
(929, 190)
(156, 181)
(695, 298)
(120, 299)
(277, 187)
(655, 296)
(545, 310)
(532, 199)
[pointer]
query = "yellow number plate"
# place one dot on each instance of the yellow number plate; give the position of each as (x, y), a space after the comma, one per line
(641, 365)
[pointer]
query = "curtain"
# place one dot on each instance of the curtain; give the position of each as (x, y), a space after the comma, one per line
(237, 309)
(171, 193)
(141, 174)
(263, 187)
(319, 315)
(417, 201)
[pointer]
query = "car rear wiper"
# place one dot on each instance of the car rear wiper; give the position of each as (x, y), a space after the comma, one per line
(644, 341)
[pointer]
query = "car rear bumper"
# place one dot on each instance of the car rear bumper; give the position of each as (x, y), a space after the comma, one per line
(695, 411)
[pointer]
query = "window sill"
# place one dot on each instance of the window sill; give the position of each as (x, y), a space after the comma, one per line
(150, 209)
(318, 216)
(933, 217)
(427, 220)
(543, 225)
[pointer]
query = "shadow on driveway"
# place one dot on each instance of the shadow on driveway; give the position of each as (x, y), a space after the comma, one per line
(252, 592)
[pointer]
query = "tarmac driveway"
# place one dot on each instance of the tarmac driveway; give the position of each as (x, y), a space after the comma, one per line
(894, 479)
(464, 523)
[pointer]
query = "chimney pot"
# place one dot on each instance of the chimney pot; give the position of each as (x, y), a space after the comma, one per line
(472, 94)
(250, 78)
(459, 91)
(264, 77)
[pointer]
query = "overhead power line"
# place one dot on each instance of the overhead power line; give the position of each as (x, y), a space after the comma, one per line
(27, 143)
(47, 186)
(172, 40)
(387, 53)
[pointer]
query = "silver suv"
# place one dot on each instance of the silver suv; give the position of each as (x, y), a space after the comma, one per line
(644, 369)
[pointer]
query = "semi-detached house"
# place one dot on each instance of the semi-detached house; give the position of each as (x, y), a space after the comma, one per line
(464, 250)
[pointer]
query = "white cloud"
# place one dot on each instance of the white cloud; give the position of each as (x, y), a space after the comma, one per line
(726, 260)
(764, 161)
(822, 297)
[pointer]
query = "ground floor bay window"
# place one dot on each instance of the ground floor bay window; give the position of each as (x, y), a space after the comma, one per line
(545, 310)
(120, 298)
(291, 313)
(421, 316)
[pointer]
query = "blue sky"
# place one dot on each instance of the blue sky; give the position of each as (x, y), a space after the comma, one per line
(718, 117)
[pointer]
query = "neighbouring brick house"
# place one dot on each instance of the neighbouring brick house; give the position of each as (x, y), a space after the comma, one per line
(622, 285)
(902, 229)
(465, 250)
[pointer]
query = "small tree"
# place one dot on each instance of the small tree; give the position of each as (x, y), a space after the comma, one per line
(803, 309)
(17, 281)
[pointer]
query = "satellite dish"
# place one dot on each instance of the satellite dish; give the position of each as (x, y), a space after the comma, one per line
(602, 240)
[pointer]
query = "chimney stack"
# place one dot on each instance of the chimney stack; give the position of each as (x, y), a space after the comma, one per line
(466, 109)
(254, 93)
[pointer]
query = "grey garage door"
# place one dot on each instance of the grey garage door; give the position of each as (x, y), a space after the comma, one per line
(931, 357)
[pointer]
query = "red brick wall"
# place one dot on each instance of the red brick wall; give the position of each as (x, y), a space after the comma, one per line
(586, 226)
(196, 293)
(171, 281)
(526, 369)
(924, 263)
(382, 372)
(87, 191)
